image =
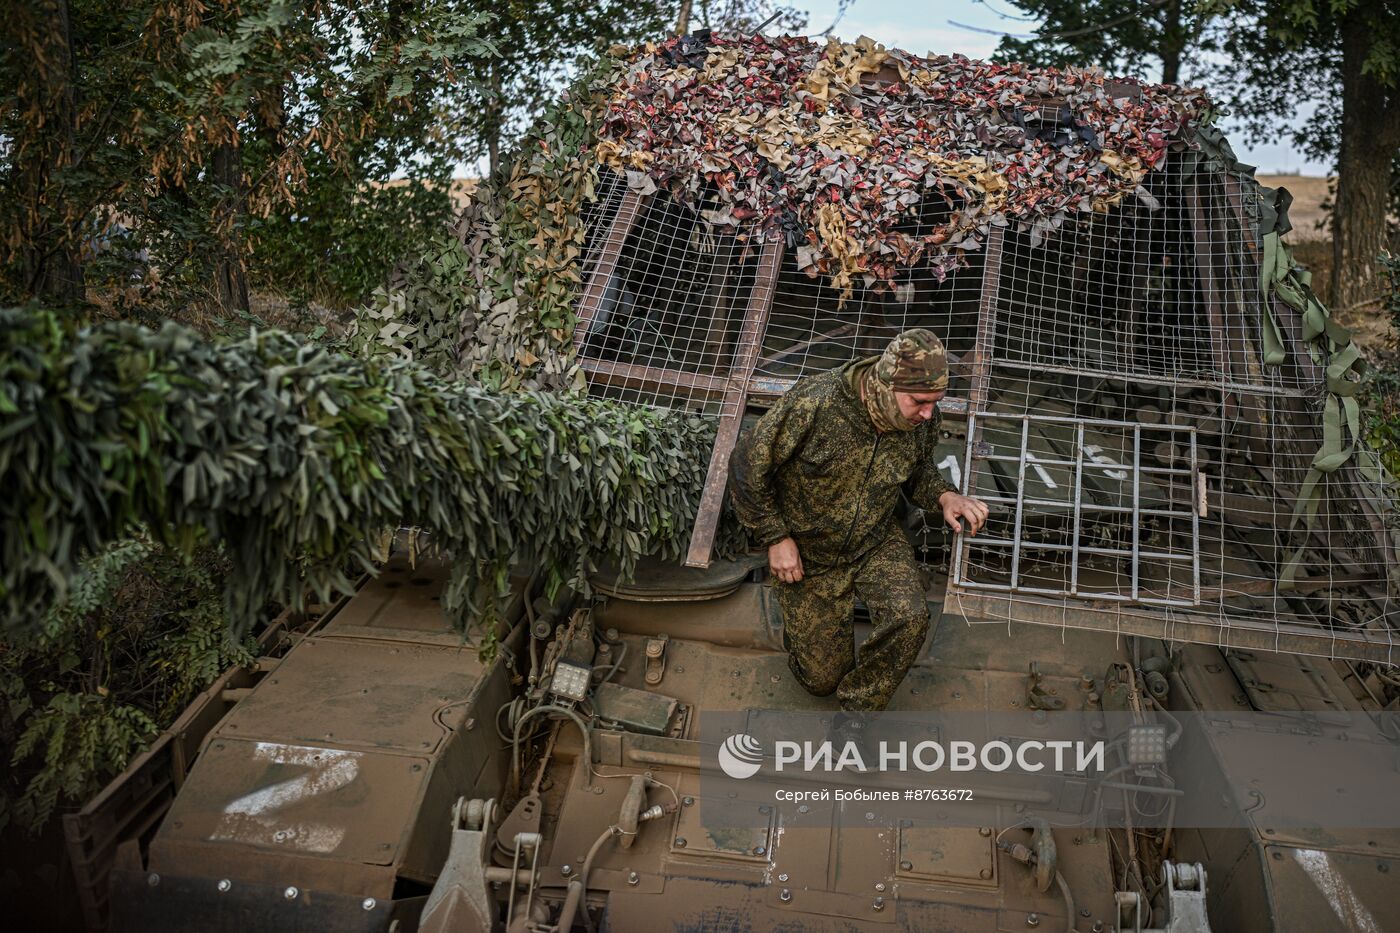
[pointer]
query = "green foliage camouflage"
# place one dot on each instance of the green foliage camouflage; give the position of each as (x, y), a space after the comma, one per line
(141, 632)
(494, 298)
(295, 458)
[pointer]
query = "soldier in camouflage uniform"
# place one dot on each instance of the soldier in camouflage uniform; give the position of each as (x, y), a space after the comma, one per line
(816, 481)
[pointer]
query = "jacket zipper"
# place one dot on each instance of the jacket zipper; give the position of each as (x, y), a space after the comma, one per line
(864, 483)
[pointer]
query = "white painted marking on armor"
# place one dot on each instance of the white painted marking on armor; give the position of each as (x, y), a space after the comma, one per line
(1093, 451)
(254, 817)
(1040, 471)
(950, 463)
(1345, 904)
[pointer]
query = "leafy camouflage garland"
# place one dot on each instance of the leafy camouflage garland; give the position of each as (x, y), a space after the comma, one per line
(295, 457)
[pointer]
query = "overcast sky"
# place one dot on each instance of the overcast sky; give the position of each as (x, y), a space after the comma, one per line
(925, 28)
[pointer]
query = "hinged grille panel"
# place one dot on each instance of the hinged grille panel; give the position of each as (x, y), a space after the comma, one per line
(1076, 513)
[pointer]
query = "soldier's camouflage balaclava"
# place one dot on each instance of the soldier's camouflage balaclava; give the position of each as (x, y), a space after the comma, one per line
(915, 361)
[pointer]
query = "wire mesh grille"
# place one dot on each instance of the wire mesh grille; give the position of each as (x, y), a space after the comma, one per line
(1148, 317)
(1080, 513)
(663, 313)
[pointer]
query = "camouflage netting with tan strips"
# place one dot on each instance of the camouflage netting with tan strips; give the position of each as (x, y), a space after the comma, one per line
(774, 137)
(836, 145)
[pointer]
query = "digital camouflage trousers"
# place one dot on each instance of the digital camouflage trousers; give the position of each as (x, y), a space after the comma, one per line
(819, 625)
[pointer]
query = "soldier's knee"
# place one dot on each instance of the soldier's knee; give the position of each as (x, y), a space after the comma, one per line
(819, 683)
(909, 633)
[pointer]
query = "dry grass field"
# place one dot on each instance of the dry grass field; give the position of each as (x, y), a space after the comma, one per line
(1309, 192)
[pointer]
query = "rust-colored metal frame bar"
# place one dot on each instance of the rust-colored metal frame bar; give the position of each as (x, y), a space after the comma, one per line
(658, 379)
(628, 212)
(746, 351)
(979, 366)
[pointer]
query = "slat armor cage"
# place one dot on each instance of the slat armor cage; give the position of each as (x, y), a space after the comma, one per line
(1139, 409)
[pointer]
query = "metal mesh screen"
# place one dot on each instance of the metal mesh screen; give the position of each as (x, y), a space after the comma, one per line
(1119, 357)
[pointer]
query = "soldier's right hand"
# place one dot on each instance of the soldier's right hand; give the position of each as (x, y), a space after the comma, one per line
(784, 562)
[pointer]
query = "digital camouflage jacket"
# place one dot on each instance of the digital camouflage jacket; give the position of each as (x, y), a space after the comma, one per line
(815, 468)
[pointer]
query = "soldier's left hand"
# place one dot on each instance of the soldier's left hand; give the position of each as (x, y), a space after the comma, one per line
(957, 507)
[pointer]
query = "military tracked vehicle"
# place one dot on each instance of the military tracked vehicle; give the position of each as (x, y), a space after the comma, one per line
(1143, 389)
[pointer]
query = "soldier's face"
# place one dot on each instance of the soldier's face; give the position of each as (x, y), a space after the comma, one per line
(917, 407)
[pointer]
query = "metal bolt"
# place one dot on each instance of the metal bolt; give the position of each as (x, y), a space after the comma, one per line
(368, 903)
(1086, 913)
(783, 878)
(153, 879)
(566, 870)
(880, 886)
(759, 850)
(984, 831)
(1097, 927)
(784, 895)
(680, 842)
(804, 809)
(906, 865)
(879, 903)
(1032, 920)
(633, 878)
(291, 894)
(869, 815)
(776, 678)
(679, 669)
(688, 801)
(984, 873)
(224, 885)
(279, 836)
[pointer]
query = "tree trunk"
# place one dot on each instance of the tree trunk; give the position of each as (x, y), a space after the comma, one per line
(1173, 42)
(51, 235)
(230, 277)
(1370, 136)
(683, 21)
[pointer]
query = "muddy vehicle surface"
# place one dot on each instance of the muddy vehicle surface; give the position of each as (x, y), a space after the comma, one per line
(320, 803)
